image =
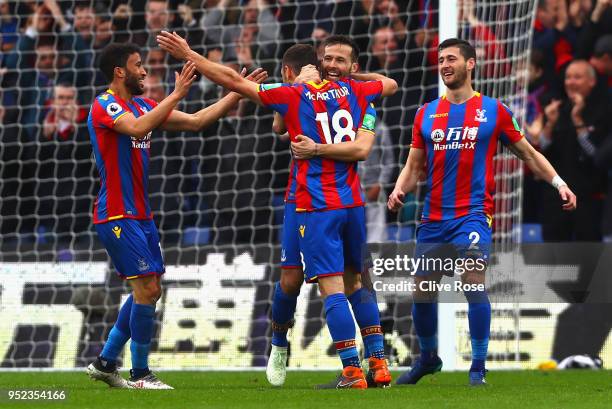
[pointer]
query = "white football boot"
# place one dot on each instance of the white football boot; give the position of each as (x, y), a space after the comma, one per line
(149, 381)
(276, 371)
(112, 379)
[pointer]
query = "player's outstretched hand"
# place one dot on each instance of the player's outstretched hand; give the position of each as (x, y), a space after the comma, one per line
(308, 73)
(173, 44)
(396, 200)
(303, 147)
(184, 80)
(258, 75)
(568, 197)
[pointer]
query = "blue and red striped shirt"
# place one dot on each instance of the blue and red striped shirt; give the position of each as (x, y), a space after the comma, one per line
(292, 184)
(329, 112)
(122, 161)
(460, 141)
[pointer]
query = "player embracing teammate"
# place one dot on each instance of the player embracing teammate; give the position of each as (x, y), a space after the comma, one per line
(455, 138)
(120, 124)
(329, 201)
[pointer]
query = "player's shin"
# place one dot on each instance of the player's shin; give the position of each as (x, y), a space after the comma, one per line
(142, 321)
(365, 308)
(425, 319)
(283, 310)
(118, 336)
(479, 317)
(342, 328)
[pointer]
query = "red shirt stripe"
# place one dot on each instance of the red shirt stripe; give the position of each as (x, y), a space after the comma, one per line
(466, 162)
(437, 184)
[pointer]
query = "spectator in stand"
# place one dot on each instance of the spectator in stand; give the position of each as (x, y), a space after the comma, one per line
(154, 87)
(574, 128)
(189, 19)
(63, 190)
(9, 26)
(385, 50)
(602, 62)
(538, 89)
(385, 13)
(489, 50)
(84, 20)
(375, 173)
(550, 23)
(155, 63)
(388, 59)
(250, 38)
(597, 25)
(36, 64)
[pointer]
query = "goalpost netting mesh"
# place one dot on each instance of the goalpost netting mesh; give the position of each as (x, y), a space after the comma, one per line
(217, 195)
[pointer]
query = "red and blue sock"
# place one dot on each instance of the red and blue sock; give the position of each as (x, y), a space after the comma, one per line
(342, 328)
(365, 308)
(142, 321)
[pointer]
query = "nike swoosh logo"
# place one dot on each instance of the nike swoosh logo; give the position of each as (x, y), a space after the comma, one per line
(344, 385)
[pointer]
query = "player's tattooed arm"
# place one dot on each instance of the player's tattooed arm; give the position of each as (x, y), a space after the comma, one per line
(305, 148)
(408, 179)
(217, 73)
(140, 127)
(541, 168)
(390, 86)
(181, 121)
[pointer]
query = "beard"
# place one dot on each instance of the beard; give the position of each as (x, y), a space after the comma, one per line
(459, 81)
(133, 85)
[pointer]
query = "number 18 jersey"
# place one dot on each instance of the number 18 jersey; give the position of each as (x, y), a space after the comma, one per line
(329, 112)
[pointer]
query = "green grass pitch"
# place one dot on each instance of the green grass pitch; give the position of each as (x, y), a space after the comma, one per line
(516, 390)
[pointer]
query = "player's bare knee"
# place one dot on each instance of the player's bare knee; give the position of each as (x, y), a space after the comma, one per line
(331, 285)
(352, 283)
(291, 280)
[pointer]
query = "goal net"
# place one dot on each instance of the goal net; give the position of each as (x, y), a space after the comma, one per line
(216, 195)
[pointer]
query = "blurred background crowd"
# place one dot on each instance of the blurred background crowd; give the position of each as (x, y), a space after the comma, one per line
(225, 185)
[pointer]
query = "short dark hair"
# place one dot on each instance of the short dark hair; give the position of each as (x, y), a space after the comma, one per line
(466, 49)
(116, 55)
(343, 40)
(300, 55)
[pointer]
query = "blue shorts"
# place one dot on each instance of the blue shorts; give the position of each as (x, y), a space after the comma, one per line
(330, 241)
(467, 237)
(133, 246)
(290, 245)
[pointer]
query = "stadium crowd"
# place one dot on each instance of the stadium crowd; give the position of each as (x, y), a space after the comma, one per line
(230, 179)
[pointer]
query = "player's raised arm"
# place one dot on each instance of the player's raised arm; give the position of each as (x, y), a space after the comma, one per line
(217, 73)
(390, 86)
(541, 168)
(408, 178)
(181, 121)
(139, 127)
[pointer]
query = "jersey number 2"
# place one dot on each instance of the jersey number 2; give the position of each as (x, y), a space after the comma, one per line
(339, 130)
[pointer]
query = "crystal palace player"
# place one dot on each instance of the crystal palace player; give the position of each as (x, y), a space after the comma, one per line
(120, 125)
(329, 200)
(455, 138)
(286, 291)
